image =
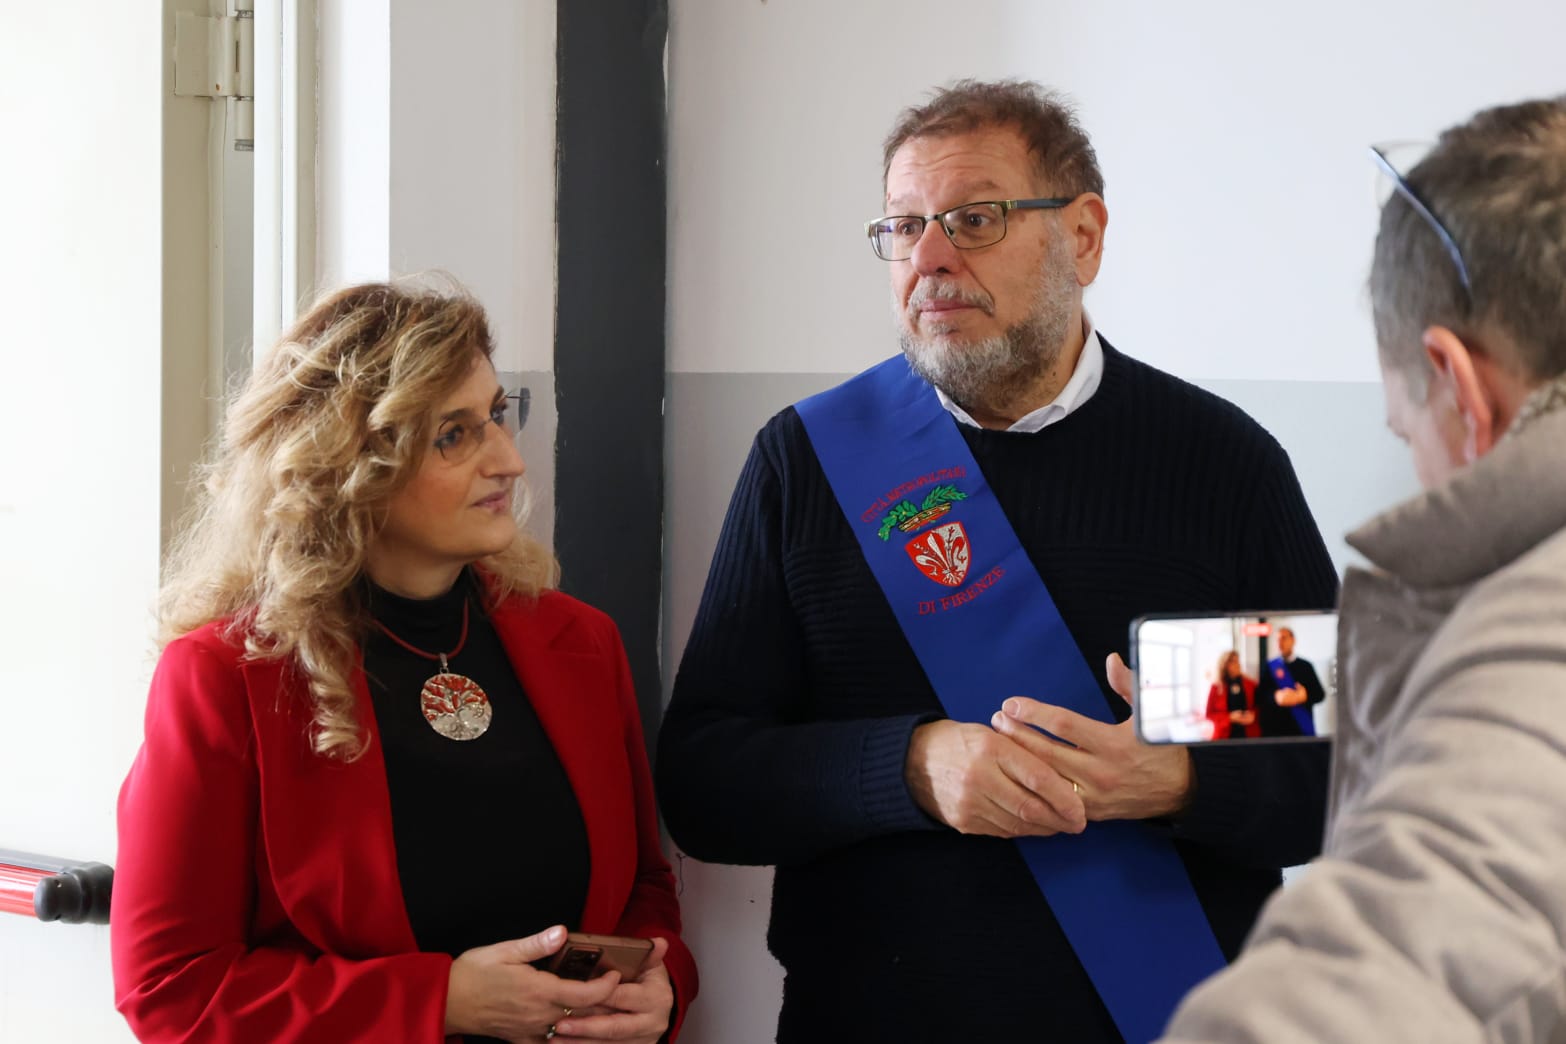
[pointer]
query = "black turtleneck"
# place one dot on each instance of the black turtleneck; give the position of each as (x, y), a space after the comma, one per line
(490, 839)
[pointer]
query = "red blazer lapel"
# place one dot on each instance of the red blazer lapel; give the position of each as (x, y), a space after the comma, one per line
(326, 825)
(571, 681)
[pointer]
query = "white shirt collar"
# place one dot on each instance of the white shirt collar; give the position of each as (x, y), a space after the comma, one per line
(1079, 389)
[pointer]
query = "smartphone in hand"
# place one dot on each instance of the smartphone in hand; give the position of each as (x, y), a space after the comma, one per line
(586, 956)
(1246, 676)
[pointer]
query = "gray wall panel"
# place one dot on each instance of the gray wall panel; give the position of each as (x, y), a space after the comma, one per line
(709, 422)
(537, 444)
(1348, 463)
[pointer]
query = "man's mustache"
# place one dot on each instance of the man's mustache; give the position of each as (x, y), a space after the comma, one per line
(928, 291)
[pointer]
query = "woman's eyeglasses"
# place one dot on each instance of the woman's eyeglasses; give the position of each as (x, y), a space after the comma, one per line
(460, 436)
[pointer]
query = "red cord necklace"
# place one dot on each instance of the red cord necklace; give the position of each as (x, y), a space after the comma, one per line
(454, 704)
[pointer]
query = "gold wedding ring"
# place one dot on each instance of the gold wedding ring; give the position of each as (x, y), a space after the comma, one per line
(567, 1014)
(1074, 788)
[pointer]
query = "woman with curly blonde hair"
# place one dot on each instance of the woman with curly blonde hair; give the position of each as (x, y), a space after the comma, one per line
(1231, 701)
(386, 765)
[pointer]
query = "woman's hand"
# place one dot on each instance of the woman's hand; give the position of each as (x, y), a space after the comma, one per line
(637, 1011)
(1242, 717)
(495, 991)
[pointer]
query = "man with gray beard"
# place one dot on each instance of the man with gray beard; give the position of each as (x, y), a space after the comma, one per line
(923, 565)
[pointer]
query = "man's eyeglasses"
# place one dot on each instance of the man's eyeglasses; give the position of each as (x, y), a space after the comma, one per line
(969, 226)
(459, 437)
(1404, 189)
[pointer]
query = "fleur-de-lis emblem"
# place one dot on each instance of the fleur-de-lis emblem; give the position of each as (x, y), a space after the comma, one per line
(942, 554)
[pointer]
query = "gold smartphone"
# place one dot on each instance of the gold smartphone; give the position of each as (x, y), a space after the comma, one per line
(586, 956)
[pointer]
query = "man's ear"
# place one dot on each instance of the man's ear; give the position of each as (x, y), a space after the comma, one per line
(1087, 219)
(1457, 376)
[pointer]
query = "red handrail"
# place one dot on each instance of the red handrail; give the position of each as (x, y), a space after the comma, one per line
(54, 889)
(17, 887)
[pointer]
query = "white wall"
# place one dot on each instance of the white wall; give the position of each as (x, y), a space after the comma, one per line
(1232, 136)
(437, 152)
(80, 203)
(353, 157)
(472, 159)
(1233, 141)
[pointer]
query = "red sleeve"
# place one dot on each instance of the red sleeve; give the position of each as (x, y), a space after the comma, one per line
(653, 909)
(1218, 711)
(185, 891)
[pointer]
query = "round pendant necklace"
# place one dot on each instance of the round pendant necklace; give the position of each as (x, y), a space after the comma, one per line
(453, 704)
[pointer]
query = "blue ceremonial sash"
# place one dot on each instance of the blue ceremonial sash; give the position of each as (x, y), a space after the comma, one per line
(1285, 679)
(984, 628)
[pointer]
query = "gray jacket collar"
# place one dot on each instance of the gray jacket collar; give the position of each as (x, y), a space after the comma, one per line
(1484, 517)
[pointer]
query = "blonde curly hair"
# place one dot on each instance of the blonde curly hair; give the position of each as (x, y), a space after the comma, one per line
(330, 425)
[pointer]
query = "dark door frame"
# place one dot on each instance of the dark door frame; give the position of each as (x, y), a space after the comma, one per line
(609, 334)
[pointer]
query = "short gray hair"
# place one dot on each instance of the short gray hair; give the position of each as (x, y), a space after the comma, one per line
(1063, 156)
(1498, 185)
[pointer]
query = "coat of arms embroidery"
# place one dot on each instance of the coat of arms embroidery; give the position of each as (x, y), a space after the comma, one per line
(942, 553)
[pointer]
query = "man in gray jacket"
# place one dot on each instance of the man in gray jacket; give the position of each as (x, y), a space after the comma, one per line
(1438, 912)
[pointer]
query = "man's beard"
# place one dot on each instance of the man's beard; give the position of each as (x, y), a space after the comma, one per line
(993, 373)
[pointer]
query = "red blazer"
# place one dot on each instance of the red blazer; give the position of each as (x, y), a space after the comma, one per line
(1218, 710)
(256, 895)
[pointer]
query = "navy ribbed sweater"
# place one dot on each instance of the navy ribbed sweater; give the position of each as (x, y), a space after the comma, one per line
(785, 738)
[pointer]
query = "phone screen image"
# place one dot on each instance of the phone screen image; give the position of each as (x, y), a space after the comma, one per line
(1235, 678)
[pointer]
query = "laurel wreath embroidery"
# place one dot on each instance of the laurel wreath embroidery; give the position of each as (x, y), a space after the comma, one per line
(906, 517)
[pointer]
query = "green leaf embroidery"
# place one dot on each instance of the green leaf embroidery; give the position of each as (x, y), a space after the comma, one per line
(947, 494)
(899, 513)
